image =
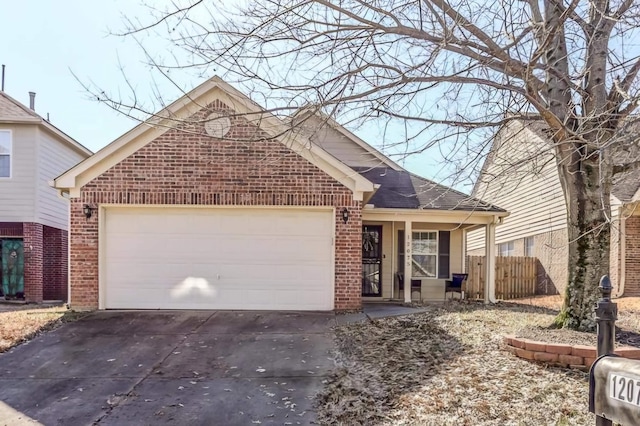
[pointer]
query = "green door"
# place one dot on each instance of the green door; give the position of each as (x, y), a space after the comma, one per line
(12, 268)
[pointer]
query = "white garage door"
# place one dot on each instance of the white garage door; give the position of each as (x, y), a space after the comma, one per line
(199, 258)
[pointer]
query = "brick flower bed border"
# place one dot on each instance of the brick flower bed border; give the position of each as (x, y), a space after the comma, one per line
(562, 355)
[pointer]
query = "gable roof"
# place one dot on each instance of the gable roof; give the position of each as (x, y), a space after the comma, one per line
(625, 185)
(14, 112)
(325, 120)
(215, 88)
(400, 189)
(534, 127)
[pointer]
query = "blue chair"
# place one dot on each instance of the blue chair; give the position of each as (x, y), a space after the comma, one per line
(454, 285)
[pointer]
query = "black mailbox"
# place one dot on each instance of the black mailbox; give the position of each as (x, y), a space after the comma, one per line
(614, 389)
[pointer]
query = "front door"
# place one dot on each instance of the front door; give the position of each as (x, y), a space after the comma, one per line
(12, 268)
(372, 260)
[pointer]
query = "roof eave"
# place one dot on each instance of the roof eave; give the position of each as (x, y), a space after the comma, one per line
(30, 120)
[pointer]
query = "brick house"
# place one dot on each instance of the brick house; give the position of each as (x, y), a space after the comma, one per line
(520, 174)
(33, 218)
(214, 203)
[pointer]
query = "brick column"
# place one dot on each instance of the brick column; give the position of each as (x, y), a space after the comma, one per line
(55, 263)
(348, 258)
(33, 262)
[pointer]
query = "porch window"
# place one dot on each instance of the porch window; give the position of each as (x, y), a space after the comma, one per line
(5, 153)
(506, 249)
(424, 254)
(528, 246)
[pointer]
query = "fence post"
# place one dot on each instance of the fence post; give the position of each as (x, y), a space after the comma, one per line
(606, 316)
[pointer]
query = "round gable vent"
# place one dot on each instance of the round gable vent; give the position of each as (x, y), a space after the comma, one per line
(217, 125)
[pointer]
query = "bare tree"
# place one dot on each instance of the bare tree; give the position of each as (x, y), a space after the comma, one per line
(462, 64)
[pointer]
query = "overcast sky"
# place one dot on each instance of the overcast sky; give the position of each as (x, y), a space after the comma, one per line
(53, 48)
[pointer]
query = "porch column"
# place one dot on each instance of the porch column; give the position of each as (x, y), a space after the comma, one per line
(407, 261)
(490, 257)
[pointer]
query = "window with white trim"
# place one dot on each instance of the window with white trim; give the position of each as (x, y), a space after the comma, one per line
(528, 246)
(506, 249)
(5, 153)
(424, 254)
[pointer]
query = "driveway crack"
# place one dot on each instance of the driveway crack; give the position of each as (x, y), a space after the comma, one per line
(117, 399)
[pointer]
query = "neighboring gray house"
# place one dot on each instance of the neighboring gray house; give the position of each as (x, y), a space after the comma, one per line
(34, 220)
(520, 175)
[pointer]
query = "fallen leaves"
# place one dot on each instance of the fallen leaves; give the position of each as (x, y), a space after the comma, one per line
(21, 323)
(447, 367)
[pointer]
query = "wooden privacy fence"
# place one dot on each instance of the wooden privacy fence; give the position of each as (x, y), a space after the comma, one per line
(515, 277)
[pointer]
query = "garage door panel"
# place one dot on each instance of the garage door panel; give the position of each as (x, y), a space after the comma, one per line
(147, 300)
(292, 275)
(199, 221)
(229, 297)
(231, 254)
(185, 258)
(202, 285)
(239, 249)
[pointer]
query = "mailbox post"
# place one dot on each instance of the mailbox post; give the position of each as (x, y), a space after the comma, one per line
(614, 382)
(606, 315)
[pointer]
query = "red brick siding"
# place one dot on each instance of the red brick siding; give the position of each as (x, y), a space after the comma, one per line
(184, 166)
(10, 229)
(632, 256)
(33, 262)
(55, 263)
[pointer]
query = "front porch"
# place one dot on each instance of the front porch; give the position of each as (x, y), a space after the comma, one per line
(408, 256)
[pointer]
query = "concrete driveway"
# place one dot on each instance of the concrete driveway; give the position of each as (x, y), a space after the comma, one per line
(135, 368)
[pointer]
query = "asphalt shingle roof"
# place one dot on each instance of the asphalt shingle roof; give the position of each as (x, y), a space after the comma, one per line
(10, 109)
(400, 189)
(396, 188)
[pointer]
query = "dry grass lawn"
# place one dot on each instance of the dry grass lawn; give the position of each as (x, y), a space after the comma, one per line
(628, 309)
(448, 366)
(19, 323)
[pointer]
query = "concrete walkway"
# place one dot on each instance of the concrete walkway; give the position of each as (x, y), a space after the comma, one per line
(384, 310)
(372, 311)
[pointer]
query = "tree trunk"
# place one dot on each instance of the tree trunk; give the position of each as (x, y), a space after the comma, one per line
(586, 188)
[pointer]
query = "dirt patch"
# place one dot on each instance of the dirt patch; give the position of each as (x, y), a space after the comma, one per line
(448, 367)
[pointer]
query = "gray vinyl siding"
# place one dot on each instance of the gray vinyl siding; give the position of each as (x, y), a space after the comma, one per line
(338, 145)
(522, 178)
(18, 193)
(54, 158)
